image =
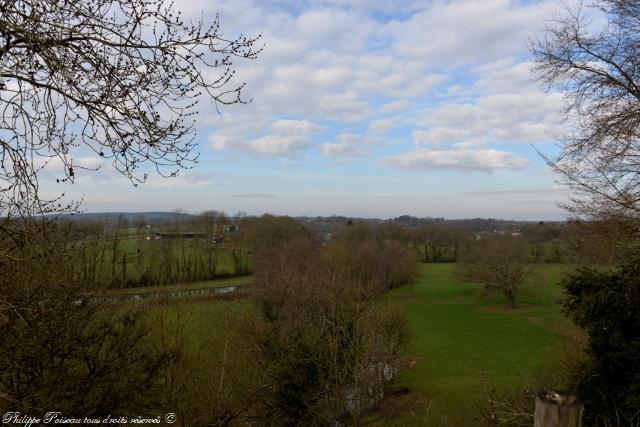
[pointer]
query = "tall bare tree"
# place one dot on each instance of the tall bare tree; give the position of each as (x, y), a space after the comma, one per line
(598, 69)
(121, 78)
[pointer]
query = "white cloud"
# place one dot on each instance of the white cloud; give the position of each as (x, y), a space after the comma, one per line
(393, 106)
(386, 6)
(381, 127)
(455, 33)
(329, 63)
(341, 150)
(347, 145)
(294, 127)
(437, 136)
(219, 141)
(89, 169)
(504, 76)
(337, 62)
(334, 60)
(55, 164)
(511, 117)
(88, 162)
(285, 138)
(185, 179)
(278, 145)
(334, 28)
(195, 177)
(457, 159)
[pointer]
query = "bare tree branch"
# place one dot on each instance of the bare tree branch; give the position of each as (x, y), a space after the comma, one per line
(123, 78)
(599, 72)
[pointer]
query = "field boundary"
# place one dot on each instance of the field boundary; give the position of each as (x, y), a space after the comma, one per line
(196, 289)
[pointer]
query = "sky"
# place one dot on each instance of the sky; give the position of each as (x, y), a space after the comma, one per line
(369, 109)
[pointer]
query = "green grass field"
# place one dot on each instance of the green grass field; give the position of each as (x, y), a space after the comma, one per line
(465, 342)
(141, 262)
(130, 244)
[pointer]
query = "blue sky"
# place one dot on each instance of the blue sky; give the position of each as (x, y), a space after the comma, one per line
(368, 108)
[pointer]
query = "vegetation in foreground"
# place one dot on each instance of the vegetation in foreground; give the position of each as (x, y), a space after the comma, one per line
(466, 347)
(318, 315)
(312, 343)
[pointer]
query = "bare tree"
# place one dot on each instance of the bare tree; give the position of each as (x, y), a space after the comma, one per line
(598, 69)
(121, 78)
(80, 357)
(326, 346)
(497, 263)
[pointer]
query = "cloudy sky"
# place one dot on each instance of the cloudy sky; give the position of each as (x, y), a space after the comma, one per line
(370, 108)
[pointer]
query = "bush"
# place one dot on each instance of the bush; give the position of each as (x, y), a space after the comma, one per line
(326, 346)
(59, 351)
(361, 254)
(607, 306)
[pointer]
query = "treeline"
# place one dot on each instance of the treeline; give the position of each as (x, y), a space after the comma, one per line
(122, 253)
(118, 254)
(572, 242)
(312, 344)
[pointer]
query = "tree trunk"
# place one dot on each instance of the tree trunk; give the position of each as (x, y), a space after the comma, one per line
(485, 288)
(512, 299)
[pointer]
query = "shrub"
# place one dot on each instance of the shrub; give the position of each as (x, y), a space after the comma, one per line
(607, 306)
(59, 351)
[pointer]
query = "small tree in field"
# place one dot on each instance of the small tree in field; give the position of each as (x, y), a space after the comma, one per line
(497, 263)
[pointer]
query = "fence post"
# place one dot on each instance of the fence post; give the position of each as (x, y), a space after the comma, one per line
(555, 409)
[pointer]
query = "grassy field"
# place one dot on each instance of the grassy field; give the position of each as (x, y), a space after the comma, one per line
(141, 262)
(465, 343)
(131, 245)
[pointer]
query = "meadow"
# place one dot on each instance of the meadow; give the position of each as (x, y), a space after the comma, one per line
(127, 260)
(467, 344)
(464, 343)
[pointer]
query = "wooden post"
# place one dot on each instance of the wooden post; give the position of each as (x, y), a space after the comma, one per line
(555, 409)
